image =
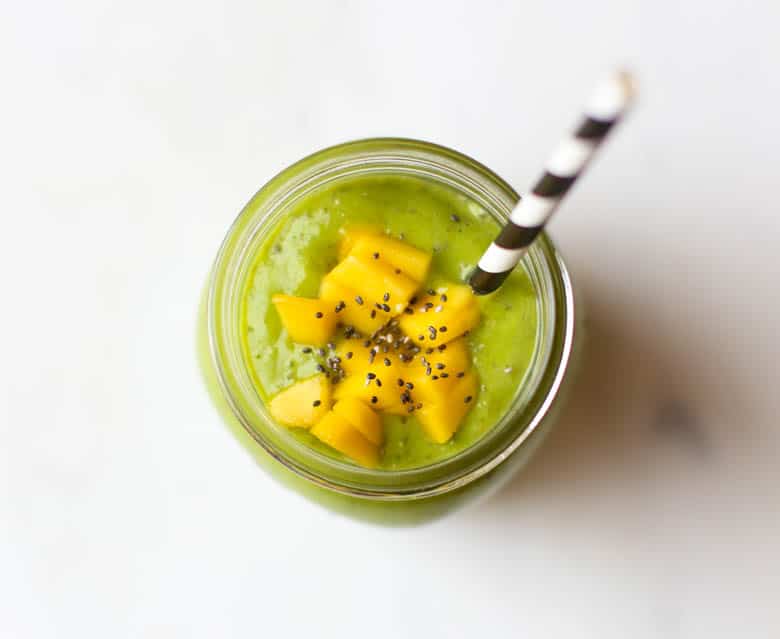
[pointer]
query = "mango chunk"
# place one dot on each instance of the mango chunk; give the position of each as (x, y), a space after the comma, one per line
(386, 397)
(338, 433)
(365, 317)
(374, 280)
(441, 418)
(353, 233)
(308, 321)
(443, 317)
(409, 260)
(303, 404)
(450, 358)
(361, 417)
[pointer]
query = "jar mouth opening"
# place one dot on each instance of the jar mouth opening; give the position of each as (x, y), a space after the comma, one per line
(233, 266)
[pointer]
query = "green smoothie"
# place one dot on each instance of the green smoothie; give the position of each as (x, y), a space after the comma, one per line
(431, 217)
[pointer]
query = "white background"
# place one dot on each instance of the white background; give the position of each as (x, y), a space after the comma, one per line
(130, 135)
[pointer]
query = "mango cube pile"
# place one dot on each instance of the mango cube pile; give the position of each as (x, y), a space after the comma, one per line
(391, 349)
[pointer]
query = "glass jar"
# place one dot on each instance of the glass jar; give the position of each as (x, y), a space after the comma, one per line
(398, 497)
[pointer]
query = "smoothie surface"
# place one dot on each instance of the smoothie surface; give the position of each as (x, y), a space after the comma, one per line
(432, 217)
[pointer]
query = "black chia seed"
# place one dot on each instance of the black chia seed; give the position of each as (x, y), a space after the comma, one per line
(359, 300)
(467, 399)
(374, 399)
(316, 403)
(318, 314)
(386, 297)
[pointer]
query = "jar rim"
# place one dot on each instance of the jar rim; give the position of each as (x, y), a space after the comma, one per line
(422, 482)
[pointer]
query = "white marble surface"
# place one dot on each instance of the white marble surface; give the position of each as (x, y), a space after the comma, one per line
(130, 135)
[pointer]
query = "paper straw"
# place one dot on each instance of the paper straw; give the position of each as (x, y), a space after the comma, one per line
(606, 106)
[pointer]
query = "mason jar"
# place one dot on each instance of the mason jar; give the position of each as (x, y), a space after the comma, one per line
(407, 496)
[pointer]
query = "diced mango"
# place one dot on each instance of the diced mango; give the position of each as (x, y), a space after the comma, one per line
(365, 317)
(308, 321)
(445, 367)
(353, 233)
(442, 418)
(386, 397)
(303, 404)
(450, 313)
(372, 279)
(409, 260)
(362, 418)
(455, 357)
(338, 433)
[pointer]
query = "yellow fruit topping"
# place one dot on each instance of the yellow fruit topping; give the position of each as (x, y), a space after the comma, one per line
(303, 404)
(308, 321)
(440, 416)
(394, 357)
(352, 234)
(377, 282)
(355, 311)
(401, 256)
(361, 417)
(337, 432)
(442, 317)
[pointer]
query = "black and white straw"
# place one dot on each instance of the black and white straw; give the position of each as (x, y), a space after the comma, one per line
(567, 163)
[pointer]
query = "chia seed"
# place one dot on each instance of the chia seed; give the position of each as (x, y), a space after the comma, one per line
(467, 399)
(318, 314)
(374, 399)
(316, 403)
(359, 300)
(376, 256)
(454, 218)
(386, 297)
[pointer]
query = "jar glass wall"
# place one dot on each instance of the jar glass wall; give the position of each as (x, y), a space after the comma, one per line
(362, 491)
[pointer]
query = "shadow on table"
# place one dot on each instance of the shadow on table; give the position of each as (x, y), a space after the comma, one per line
(639, 395)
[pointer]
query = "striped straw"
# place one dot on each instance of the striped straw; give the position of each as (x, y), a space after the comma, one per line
(528, 218)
